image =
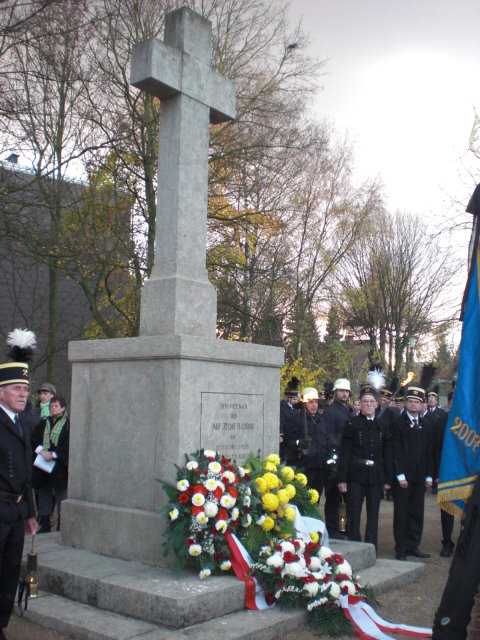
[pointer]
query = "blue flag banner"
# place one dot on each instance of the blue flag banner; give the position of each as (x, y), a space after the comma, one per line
(460, 462)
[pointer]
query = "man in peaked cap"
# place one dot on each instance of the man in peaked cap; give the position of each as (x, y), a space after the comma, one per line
(288, 409)
(362, 466)
(336, 415)
(436, 418)
(17, 508)
(413, 469)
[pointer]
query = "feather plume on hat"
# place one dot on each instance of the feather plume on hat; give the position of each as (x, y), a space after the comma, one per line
(428, 374)
(376, 378)
(21, 344)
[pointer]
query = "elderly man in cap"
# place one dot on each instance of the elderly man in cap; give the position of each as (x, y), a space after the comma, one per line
(17, 508)
(413, 468)
(362, 465)
(336, 415)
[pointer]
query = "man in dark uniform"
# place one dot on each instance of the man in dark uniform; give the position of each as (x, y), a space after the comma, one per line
(385, 399)
(306, 439)
(336, 415)
(361, 468)
(413, 468)
(436, 418)
(17, 508)
(288, 409)
(454, 612)
(447, 519)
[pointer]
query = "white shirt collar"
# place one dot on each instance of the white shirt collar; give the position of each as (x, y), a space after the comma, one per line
(11, 414)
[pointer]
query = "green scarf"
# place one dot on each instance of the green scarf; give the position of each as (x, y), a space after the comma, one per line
(45, 409)
(51, 436)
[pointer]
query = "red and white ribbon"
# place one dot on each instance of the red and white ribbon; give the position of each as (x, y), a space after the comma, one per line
(241, 561)
(368, 625)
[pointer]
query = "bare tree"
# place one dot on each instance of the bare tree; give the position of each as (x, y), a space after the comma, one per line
(396, 285)
(40, 116)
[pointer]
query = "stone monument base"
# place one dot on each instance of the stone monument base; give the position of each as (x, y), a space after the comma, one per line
(138, 406)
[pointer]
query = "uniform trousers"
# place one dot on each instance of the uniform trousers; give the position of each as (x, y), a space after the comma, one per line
(408, 508)
(447, 526)
(12, 535)
(333, 498)
(317, 479)
(356, 494)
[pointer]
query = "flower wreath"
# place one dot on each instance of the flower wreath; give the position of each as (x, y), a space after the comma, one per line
(211, 495)
(214, 497)
(300, 574)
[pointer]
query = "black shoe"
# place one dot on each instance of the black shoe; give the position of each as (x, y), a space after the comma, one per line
(447, 549)
(337, 535)
(400, 556)
(417, 553)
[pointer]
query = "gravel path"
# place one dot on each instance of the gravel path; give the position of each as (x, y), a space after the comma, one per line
(412, 604)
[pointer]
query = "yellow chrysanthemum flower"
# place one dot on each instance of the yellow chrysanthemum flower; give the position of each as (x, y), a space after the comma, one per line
(261, 485)
(291, 491)
(270, 501)
(314, 496)
(282, 496)
(288, 474)
(269, 466)
(290, 513)
(273, 458)
(280, 512)
(314, 536)
(268, 524)
(271, 479)
(302, 479)
(276, 527)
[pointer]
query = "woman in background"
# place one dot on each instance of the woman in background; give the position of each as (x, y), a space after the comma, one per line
(51, 441)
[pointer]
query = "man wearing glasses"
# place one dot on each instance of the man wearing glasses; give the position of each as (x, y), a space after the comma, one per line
(362, 470)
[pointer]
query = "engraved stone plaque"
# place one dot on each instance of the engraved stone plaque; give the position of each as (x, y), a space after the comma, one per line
(233, 424)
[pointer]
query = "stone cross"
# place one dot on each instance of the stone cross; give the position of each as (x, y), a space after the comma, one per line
(178, 299)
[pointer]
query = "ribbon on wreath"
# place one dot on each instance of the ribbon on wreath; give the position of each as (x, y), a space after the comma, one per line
(368, 625)
(241, 561)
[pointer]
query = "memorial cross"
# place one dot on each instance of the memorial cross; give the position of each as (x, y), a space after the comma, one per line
(178, 298)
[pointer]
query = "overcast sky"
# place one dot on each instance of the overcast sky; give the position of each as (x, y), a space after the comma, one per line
(403, 78)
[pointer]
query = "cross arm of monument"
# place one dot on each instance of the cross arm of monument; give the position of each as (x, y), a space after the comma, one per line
(165, 71)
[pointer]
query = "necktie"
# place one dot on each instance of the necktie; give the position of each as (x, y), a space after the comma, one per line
(415, 422)
(18, 425)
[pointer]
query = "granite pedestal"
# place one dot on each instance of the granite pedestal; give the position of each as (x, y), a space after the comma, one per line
(140, 404)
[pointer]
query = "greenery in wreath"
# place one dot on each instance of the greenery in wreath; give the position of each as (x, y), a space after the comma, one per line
(276, 489)
(211, 495)
(299, 574)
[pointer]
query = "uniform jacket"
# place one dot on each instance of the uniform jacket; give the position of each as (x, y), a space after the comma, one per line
(363, 440)
(315, 458)
(15, 470)
(453, 614)
(58, 479)
(437, 422)
(412, 449)
(287, 413)
(336, 415)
